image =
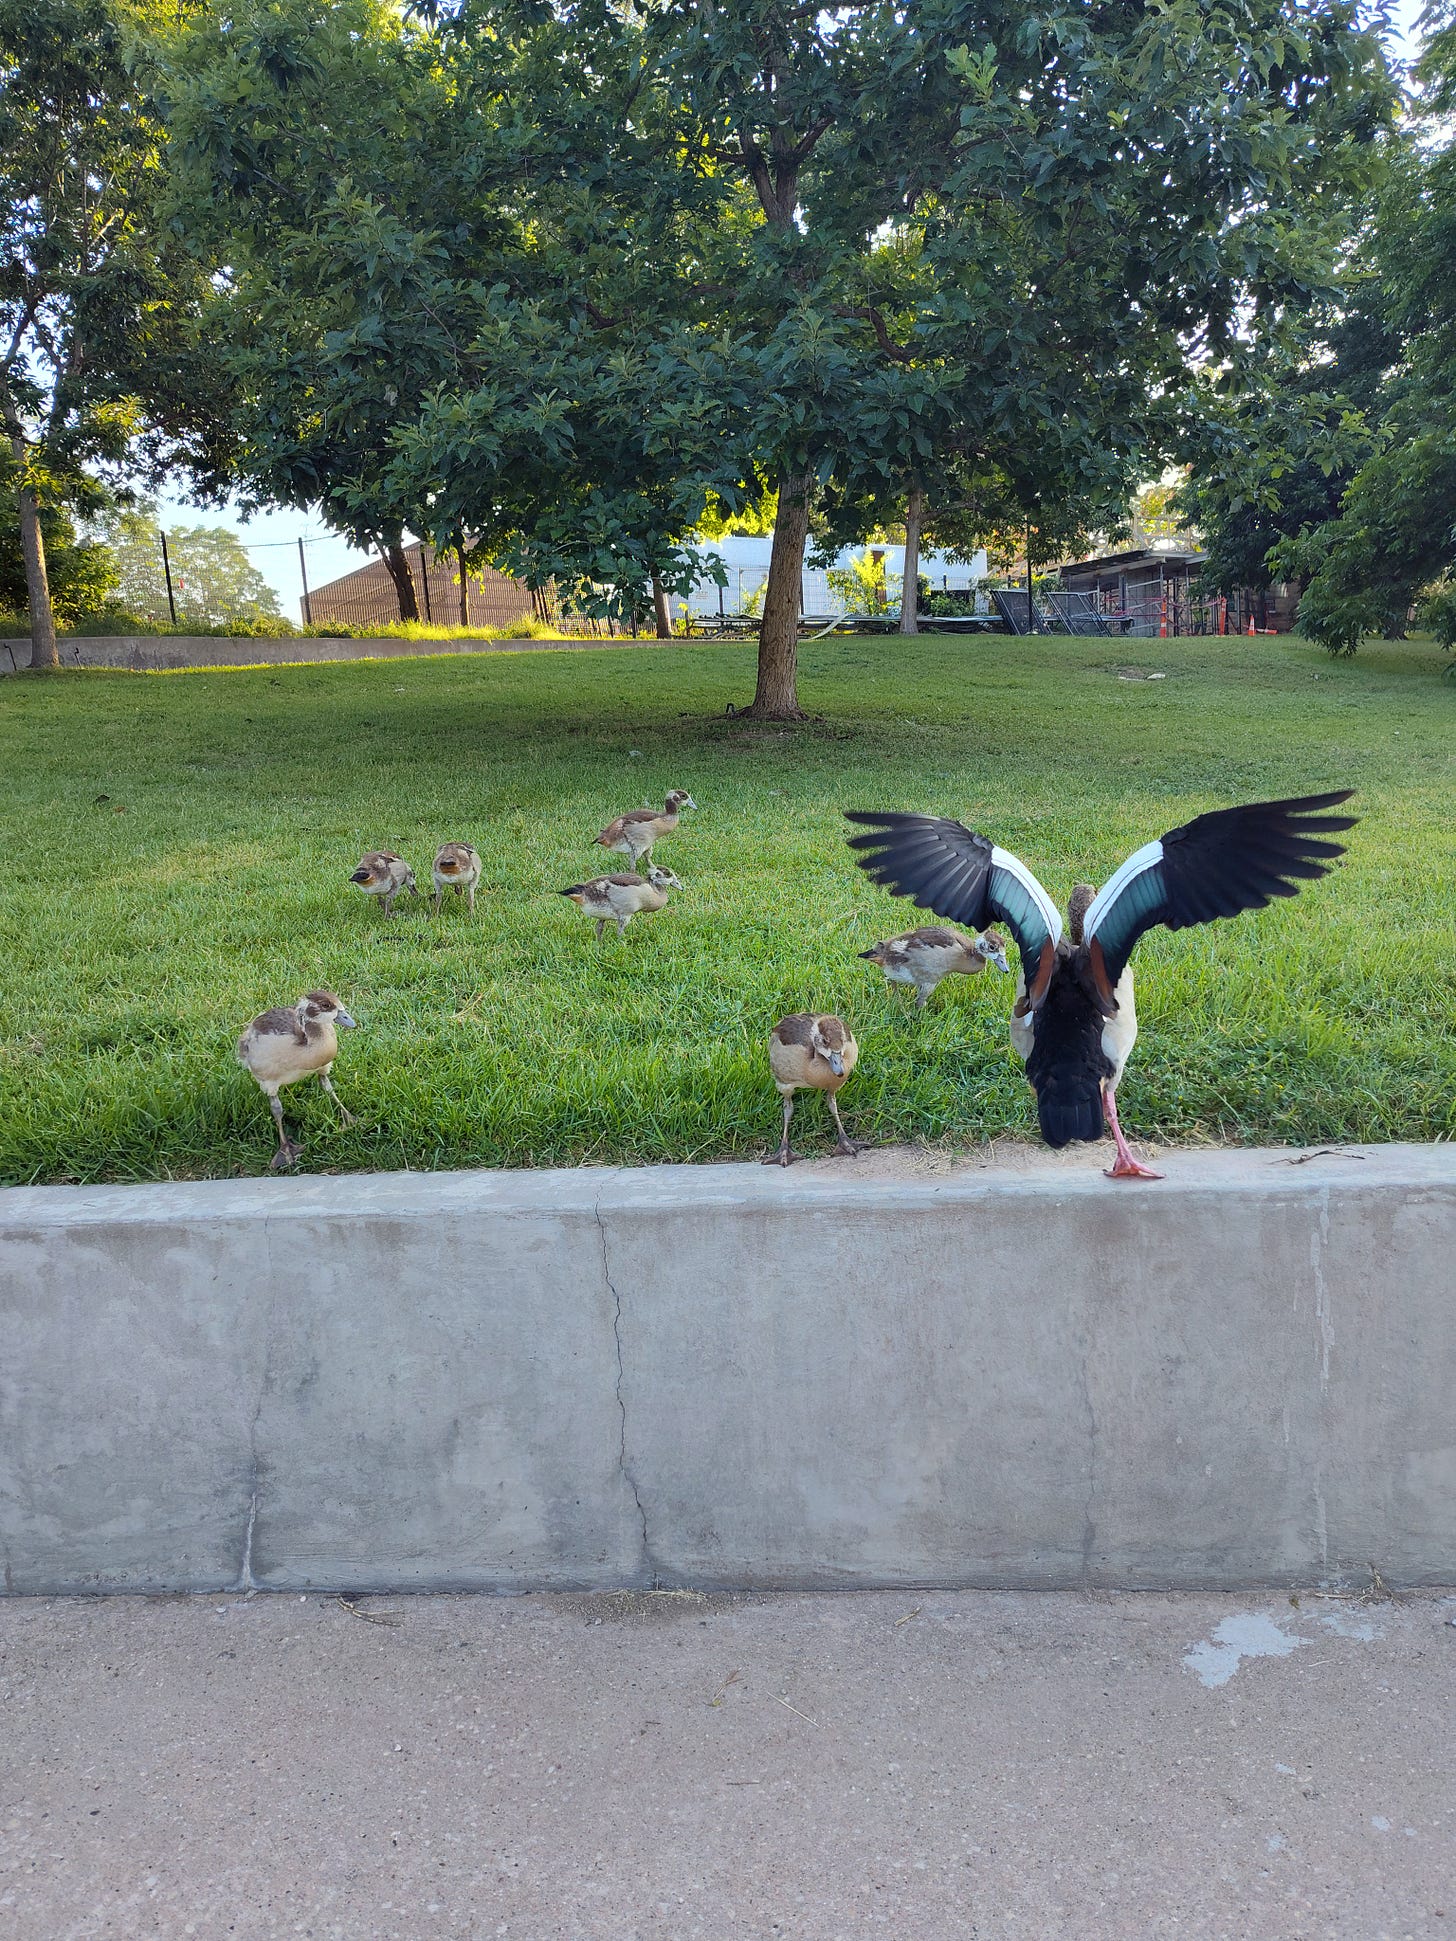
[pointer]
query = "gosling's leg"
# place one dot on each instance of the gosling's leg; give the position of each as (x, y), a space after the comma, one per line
(601, 928)
(622, 923)
(389, 903)
(783, 1157)
(439, 899)
(470, 893)
(846, 1149)
(922, 995)
(1127, 1167)
(288, 1149)
(345, 1115)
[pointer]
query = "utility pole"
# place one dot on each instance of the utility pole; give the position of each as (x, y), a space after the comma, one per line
(167, 571)
(303, 569)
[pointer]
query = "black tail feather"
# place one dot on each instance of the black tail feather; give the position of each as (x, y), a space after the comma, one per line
(1065, 1114)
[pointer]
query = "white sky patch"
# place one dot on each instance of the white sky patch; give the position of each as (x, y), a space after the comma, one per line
(1248, 1635)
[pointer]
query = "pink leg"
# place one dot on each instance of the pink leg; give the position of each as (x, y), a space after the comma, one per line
(1127, 1167)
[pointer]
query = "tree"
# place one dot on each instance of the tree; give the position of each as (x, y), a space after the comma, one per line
(81, 572)
(214, 583)
(605, 266)
(101, 368)
(1388, 543)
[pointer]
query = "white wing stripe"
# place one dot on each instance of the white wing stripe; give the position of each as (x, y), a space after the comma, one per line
(1013, 865)
(1140, 861)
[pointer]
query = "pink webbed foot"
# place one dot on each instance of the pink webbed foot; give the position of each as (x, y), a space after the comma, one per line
(1129, 1168)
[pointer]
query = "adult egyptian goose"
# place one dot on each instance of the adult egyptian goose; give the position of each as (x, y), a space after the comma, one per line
(923, 957)
(456, 867)
(381, 873)
(617, 899)
(1074, 1021)
(635, 833)
(280, 1047)
(814, 1051)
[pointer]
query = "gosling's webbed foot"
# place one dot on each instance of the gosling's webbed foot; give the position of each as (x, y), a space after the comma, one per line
(288, 1154)
(783, 1157)
(346, 1117)
(847, 1149)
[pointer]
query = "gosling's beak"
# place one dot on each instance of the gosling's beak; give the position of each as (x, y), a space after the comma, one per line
(360, 876)
(998, 958)
(836, 1063)
(343, 1018)
(870, 954)
(690, 803)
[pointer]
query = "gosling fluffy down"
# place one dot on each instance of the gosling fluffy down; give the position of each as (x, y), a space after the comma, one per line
(456, 867)
(812, 1051)
(923, 957)
(617, 899)
(280, 1047)
(383, 874)
(635, 833)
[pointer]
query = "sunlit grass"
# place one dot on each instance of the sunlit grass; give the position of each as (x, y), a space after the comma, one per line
(177, 850)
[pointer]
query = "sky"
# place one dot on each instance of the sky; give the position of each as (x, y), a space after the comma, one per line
(272, 536)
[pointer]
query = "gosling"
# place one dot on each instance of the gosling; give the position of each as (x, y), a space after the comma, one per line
(382, 873)
(923, 957)
(281, 1047)
(817, 1052)
(617, 899)
(635, 833)
(457, 867)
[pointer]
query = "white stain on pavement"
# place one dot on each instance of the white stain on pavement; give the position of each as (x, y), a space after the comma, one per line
(1248, 1635)
(1345, 1624)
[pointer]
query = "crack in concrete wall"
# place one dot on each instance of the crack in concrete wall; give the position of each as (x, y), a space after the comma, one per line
(648, 1569)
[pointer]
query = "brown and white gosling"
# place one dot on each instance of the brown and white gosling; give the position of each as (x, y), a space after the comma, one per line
(635, 833)
(457, 867)
(280, 1047)
(382, 873)
(617, 899)
(815, 1052)
(923, 957)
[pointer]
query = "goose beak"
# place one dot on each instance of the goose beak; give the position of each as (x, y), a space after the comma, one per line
(998, 958)
(360, 876)
(836, 1063)
(343, 1018)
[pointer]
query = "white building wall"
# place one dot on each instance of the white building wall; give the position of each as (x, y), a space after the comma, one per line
(746, 560)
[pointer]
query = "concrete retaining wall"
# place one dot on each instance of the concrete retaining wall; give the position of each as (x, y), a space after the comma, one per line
(154, 653)
(873, 1374)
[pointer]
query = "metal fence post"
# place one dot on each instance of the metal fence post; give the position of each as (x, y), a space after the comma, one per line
(303, 569)
(167, 574)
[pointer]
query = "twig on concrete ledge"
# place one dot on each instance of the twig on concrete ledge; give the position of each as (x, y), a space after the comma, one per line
(389, 1618)
(1320, 1152)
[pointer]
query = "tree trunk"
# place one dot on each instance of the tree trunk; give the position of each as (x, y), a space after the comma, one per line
(464, 588)
(43, 654)
(404, 586)
(777, 694)
(661, 608)
(910, 591)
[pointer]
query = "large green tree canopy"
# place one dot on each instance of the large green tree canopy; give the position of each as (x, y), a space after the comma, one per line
(102, 368)
(1390, 543)
(557, 277)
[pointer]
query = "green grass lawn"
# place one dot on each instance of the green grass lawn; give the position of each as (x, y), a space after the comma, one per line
(178, 846)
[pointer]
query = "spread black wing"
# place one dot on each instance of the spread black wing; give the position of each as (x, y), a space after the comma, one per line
(1215, 866)
(960, 875)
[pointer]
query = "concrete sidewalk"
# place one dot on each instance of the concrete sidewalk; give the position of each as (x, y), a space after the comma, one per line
(909, 1765)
